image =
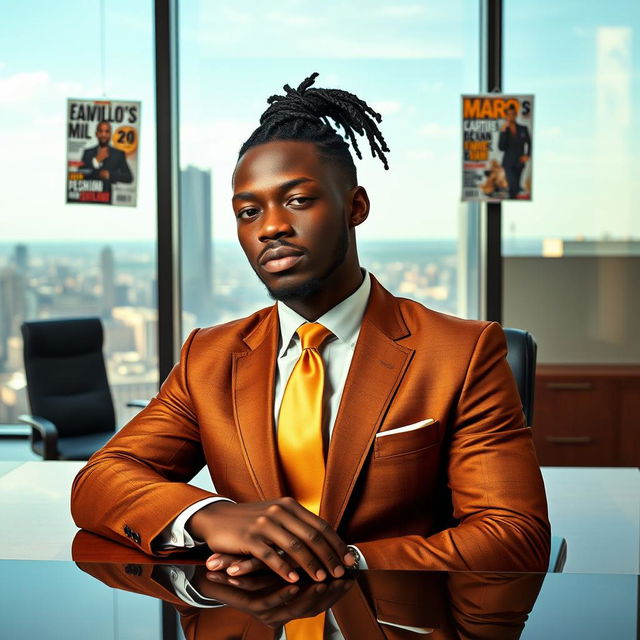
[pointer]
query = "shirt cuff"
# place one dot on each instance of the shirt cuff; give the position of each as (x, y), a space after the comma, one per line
(95, 163)
(175, 535)
(181, 582)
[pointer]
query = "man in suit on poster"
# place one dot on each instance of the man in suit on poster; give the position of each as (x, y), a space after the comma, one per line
(104, 162)
(515, 142)
(342, 415)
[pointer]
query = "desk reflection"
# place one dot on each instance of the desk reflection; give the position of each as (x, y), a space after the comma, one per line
(391, 605)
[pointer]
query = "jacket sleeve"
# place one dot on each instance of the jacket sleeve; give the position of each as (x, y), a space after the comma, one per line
(494, 477)
(133, 487)
(502, 141)
(121, 171)
(527, 141)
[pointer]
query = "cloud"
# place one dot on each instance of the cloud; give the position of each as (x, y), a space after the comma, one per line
(291, 20)
(387, 107)
(435, 130)
(32, 87)
(420, 154)
(23, 87)
(401, 10)
(551, 132)
(238, 17)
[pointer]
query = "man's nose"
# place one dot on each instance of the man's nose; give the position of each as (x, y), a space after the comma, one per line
(276, 222)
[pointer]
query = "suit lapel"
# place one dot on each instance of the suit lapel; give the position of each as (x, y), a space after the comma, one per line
(378, 366)
(253, 387)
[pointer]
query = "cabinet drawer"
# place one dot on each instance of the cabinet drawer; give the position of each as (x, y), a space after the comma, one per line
(575, 421)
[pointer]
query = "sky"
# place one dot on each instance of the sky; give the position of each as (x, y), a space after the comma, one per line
(410, 60)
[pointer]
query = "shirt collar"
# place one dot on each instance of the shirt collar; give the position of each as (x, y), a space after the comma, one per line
(343, 320)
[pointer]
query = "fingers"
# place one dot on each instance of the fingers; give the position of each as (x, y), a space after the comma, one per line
(252, 583)
(308, 603)
(305, 539)
(245, 566)
(265, 529)
(319, 534)
(280, 535)
(220, 561)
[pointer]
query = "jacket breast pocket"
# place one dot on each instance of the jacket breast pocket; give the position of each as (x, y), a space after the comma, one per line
(404, 442)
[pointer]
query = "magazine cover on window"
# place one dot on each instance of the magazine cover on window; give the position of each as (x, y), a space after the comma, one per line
(497, 130)
(102, 151)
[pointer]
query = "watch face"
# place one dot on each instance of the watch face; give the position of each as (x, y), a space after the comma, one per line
(356, 555)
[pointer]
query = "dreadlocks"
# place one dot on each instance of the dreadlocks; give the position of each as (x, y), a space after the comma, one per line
(303, 115)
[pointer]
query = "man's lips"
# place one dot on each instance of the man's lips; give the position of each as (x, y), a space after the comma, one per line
(280, 259)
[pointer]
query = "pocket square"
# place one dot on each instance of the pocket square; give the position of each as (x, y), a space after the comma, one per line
(408, 427)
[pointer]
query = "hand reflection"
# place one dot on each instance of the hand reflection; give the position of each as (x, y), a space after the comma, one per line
(267, 598)
(396, 604)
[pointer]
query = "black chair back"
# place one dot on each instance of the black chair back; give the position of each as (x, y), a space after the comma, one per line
(66, 375)
(521, 354)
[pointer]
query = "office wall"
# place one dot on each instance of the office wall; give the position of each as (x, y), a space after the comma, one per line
(581, 309)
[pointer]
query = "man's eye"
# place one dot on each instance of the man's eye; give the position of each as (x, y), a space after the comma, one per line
(300, 200)
(247, 213)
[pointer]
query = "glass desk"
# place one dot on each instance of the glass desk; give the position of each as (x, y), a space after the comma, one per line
(90, 600)
(61, 583)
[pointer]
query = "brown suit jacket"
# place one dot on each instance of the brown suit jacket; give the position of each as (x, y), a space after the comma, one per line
(463, 493)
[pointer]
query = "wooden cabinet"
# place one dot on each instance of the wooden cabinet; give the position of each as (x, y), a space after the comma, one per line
(587, 415)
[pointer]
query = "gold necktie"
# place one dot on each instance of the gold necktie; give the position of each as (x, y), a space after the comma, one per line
(300, 444)
(300, 421)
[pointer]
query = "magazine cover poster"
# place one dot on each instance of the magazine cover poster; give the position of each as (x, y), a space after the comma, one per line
(102, 151)
(497, 130)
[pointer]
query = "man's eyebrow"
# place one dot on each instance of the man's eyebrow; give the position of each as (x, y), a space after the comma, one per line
(285, 186)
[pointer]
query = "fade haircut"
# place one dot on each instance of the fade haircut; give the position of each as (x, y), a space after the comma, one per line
(303, 114)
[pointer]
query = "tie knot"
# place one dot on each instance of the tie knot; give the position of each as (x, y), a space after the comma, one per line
(312, 335)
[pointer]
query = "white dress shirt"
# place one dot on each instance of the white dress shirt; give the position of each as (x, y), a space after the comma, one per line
(344, 321)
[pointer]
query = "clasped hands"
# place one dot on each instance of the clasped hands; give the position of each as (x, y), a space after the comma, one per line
(280, 535)
(266, 598)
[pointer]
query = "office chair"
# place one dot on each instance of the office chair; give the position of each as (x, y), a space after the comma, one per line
(72, 412)
(521, 355)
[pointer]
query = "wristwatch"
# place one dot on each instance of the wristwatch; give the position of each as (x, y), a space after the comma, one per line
(356, 554)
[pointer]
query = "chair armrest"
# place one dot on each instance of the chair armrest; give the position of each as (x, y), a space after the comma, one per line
(558, 555)
(139, 404)
(47, 431)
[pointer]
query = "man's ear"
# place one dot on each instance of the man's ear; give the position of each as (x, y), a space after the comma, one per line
(359, 206)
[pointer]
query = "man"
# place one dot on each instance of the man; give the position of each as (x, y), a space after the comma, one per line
(515, 141)
(104, 162)
(342, 414)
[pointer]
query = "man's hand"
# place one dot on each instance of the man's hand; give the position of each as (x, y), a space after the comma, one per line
(102, 153)
(280, 535)
(267, 598)
(524, 159)
(104, 174)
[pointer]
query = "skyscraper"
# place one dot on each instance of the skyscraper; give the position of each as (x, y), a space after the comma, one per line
(108, 277)
(21, 257)
(12, 308)
(197, 267)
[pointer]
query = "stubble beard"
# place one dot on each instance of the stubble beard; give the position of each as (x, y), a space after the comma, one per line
(313, 285)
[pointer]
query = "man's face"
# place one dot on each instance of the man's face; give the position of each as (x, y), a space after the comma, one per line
(291, 208)
(103, 133)
(511, 115)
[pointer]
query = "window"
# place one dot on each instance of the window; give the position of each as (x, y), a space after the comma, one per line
(572, 264)
(410, 61)
(57, 259)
